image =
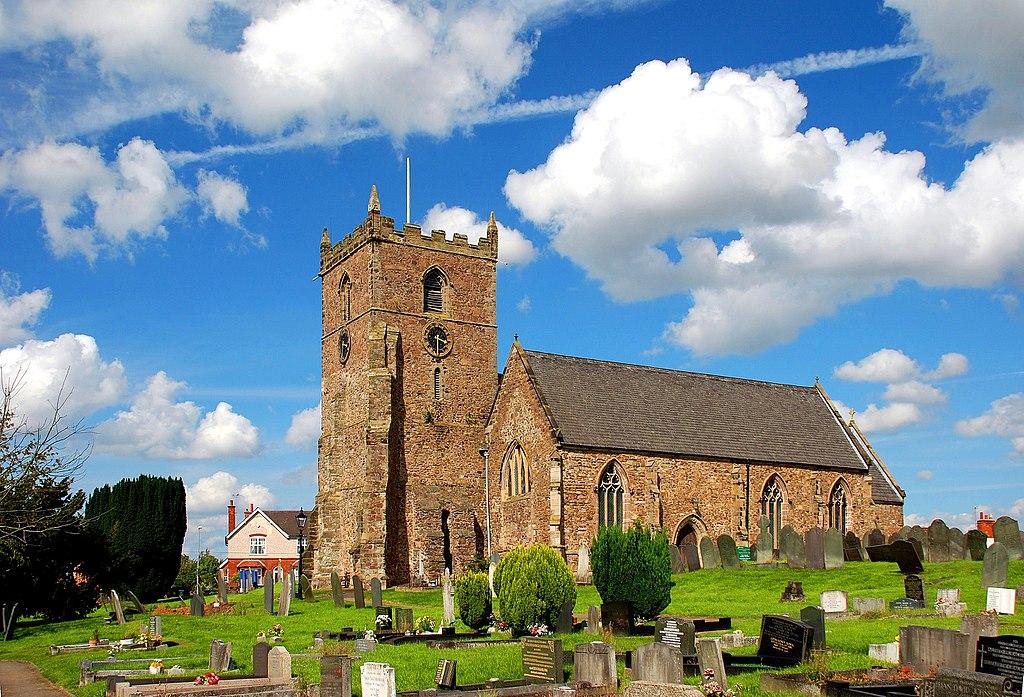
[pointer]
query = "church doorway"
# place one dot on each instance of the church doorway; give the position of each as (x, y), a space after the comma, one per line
(687, 534)
(687, 538)
(446, 538)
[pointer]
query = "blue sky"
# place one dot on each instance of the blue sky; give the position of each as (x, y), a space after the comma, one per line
(770, 190)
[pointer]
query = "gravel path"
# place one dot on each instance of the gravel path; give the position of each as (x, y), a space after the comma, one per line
(19, 679)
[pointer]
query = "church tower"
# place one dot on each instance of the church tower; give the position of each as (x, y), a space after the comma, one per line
(409, 359)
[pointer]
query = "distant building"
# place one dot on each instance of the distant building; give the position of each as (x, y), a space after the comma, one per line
(986, 524)
(264, 541)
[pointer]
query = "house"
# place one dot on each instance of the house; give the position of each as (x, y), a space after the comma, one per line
(264, 542)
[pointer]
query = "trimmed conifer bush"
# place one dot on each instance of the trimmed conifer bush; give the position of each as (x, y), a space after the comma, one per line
(473, 599)
(532, 583)
(633, 567)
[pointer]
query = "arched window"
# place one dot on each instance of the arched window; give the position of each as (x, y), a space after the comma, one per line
(433, 290)
(772, 499)
(838, 507)
(437, 383)
(515, 472)
(611, 497)
(345, 297)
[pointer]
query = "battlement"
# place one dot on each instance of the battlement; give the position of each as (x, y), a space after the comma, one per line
(382, 227)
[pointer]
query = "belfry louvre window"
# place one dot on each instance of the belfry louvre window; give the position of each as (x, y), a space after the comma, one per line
(611, 497)
(772, 500)
(433, 291)
(437, 383)
(838, 508)
(515, 472)
(345, 298)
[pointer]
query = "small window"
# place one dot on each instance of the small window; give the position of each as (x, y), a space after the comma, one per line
(437, 383)
(433, 291)
(345, 298)
(515, 472)
(344, 346)
(838, 508)
(257, 544)
(611, 497)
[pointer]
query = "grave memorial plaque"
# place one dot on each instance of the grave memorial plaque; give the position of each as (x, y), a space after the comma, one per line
(1001, 600)
(357, 589)
(542, 660)
(445, 675)
(976, 542)
(953, 682)
(677, 632)
(691, 555)
(1004, 656)
(746, 553)
(905, 604)
(710, 558)
(815, 617)
(1007, 533)
(784, 641)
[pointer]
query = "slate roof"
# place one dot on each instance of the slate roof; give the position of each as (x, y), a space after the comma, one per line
(881, 490)
(617, 406)
(286, 521)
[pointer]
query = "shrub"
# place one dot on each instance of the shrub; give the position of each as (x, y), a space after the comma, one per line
(633, 567)
(532, 583)
(473, 599)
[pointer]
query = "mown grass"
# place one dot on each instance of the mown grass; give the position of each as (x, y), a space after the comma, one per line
(744, 595)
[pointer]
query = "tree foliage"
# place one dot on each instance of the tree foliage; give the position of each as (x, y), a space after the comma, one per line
(208, 569)
(473, 599)
(532, 583)
(143, 522)
(633, 567)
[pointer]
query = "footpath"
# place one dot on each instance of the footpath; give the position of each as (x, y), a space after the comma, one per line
(19, 679)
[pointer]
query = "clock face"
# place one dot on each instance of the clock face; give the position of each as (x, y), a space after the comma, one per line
(437, 341)
(343, 346)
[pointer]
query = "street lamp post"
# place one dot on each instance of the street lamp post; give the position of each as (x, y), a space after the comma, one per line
(199, 556)
(301, 520)
(485, 453)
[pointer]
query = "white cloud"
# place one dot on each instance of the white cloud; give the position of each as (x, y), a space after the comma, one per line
(221, 196)
(891, 417)
(304, 430)
(914, 391)
(128, 199)
(950, 365)
(664, 157)
(1004, 417)
(925, 475)
(212, 493)
(71, 362)
(964, 521)
(514, 249)
(155, 426)
(19, 311)
(884, 365)
(525, 304)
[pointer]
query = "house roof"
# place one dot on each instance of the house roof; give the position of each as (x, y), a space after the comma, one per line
(618, 406)
(282, 520)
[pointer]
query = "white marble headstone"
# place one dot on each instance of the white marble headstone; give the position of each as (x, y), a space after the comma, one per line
(834, 602)
(948, 595)
(449, 599)
(583, 564)
(377, 680)
(1002, 600)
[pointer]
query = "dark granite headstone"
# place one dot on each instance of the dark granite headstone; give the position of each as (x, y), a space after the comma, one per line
(727, 552)
(794, 592)
(383, 611)
(906, 554)
(197, 606)
(853, 550)
(905, 604)
(268, 593)
(676, 557)
(677, 632)
(833, 549)
(618, 616)
(1002, 655)
(375, 590)
(1007, 533)
(814, 544)
(357, 590)
(881, 552)
(403, 619)
(709, 556)
(977, 543)
(815, 617)
(691, 555)
(784, 641)
(564, 618)
(938, 541)
(875, 537)
(542, 660)
(914, 588)
(995, 566)
(952, 682)
(445, 678)
(260, 659)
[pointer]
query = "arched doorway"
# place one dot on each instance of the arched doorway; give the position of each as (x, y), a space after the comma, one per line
(687, 539)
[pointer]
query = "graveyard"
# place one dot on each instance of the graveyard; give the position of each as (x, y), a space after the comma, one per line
(744, 594)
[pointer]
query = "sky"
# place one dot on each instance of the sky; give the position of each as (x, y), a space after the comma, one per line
(777, 191)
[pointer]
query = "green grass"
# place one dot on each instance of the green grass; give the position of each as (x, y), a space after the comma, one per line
(743, 595)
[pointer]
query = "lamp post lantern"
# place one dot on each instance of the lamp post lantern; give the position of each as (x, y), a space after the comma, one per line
(301, 520)
(485, 453)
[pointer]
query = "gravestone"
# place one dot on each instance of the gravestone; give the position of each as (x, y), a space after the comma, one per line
(709, 556)
(814, 544)
(222, 589)
(883, 553)
(791, 545)
(691, 555)
(357, 592)
(874, 538)
(542, 659)
(765, 547)
(337, 593)
(976, 542)
(951, 682)
(377, 680)
(445, 677)
(657, 663)
(676, 632)
(364, 645)
(1007, 533)
(375, 591)
(901, 534)
(906, 554)
(938, 541)
(565, 624)
(115, 600)
(853, 550)
(995, 566)
(833, 549)
(448, 599)
(404, 620)
(815, 617)
(583, 574)
(279, 665)
(890, 653)
(285, 603)
(926, 649)
(835, 602)
(709, 658)
(947, 603)
(594, 663)
(335, 676)
(794, 592)
(1001, 600)
(1004, 656)
(905, 604)
(957, 545)
(268, 593)
(141, 609)
(307, 589)
(260, 657)
(156, 625)
(197, 606)
(727, 552)
(220, 655)
(617, 616)
(783, 641)
(913, 586)
(593, 620)
(676, 558)
(865, 605)
(383, 617)
(983, 624)
(917, 538)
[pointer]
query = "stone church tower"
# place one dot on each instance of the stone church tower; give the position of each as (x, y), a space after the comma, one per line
(409, 376)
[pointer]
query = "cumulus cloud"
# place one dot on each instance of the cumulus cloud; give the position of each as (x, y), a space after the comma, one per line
(884, 365)
(155, 426)
(813, 220)
(525, 304)
(1004, 417)
(222, 197)
(915, 392)
(890, 417)
(925, 475)
(212, 493)
(69, 367)
(951, 365)
(514, 249)
(18, 311)
(304, 430)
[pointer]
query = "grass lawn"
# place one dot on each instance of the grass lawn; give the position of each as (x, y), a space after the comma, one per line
(743, 595)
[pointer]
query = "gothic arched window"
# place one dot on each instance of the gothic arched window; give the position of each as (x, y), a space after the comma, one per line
(611, 497)
(515, 472)
(433, 290)
(345, 297)
(838, 507)
(773, 498)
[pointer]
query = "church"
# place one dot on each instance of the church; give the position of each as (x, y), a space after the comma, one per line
(429, 458)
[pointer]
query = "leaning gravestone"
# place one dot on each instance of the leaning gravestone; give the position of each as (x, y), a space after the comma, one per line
(377, 680)
(815, 617)
(727, 552)
(222, 589)
(710, 558)
(676, 558)
(260, 658)
(853, 550)
(594, 663)
(709, 658)
(976, 542)
(357, 591)
(833, 549)
(814, 544)
(268, 594)
(691, 555)
(906, 555)
(285, 604)
(337, 593)
(375, 591)
(307, 589)
(918, 534)
(141, 609)
(1004, 656)
(542, 659)
(445, 677)
(995, 566)
(198, 606)
(784, 641)
(1007, 533)
(657, 663)
(115, 600)
(938, 541)
(676, 632)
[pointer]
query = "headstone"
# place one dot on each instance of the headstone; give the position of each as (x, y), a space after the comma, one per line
(285, 603)
(565, 618)
(377, 680)
(357, 591)
(853, 550)
(814, 544)
(815, 617)
(220, 655)
(833, 549)
(906, 554)
(865, 605)
(542, 659)
(835, 602)
(918, 545)
(957, 546)
(618, 616)
(794, 592)
(383, 617)
(709, 556)
(335, 676)
(156, 625)
(1001, 600)
(364, 645)
(995, 566)
(746, 553)
(691, 555)
(141, 609)
(938, 541)
(448, 598)
(1007, 533)
(913, 586)
(279, 665)
(877, 553)
(976, 542)
(1004, 656)
(890, 653)
(926, 649)
(378, 598)
(983, 624)
(727, 552)
(657, 663)
(947, 603)
(307, 589)
(445, 677)
(594, 663)
(676, 632)
(268, 593)
(118, 609)
(905, 604)
(765, 547)
(951, 682)
(676, 558)
(197, 606)
(918, 533)
(875, 537)
(593, 620)
(901, 534)
(709, 658)
(404, 620)
(783, 641)
(260, 658)
(337, 594)
(583, 564)
(791, 544)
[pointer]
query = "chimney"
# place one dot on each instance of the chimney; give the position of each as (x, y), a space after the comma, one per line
(231, 516)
